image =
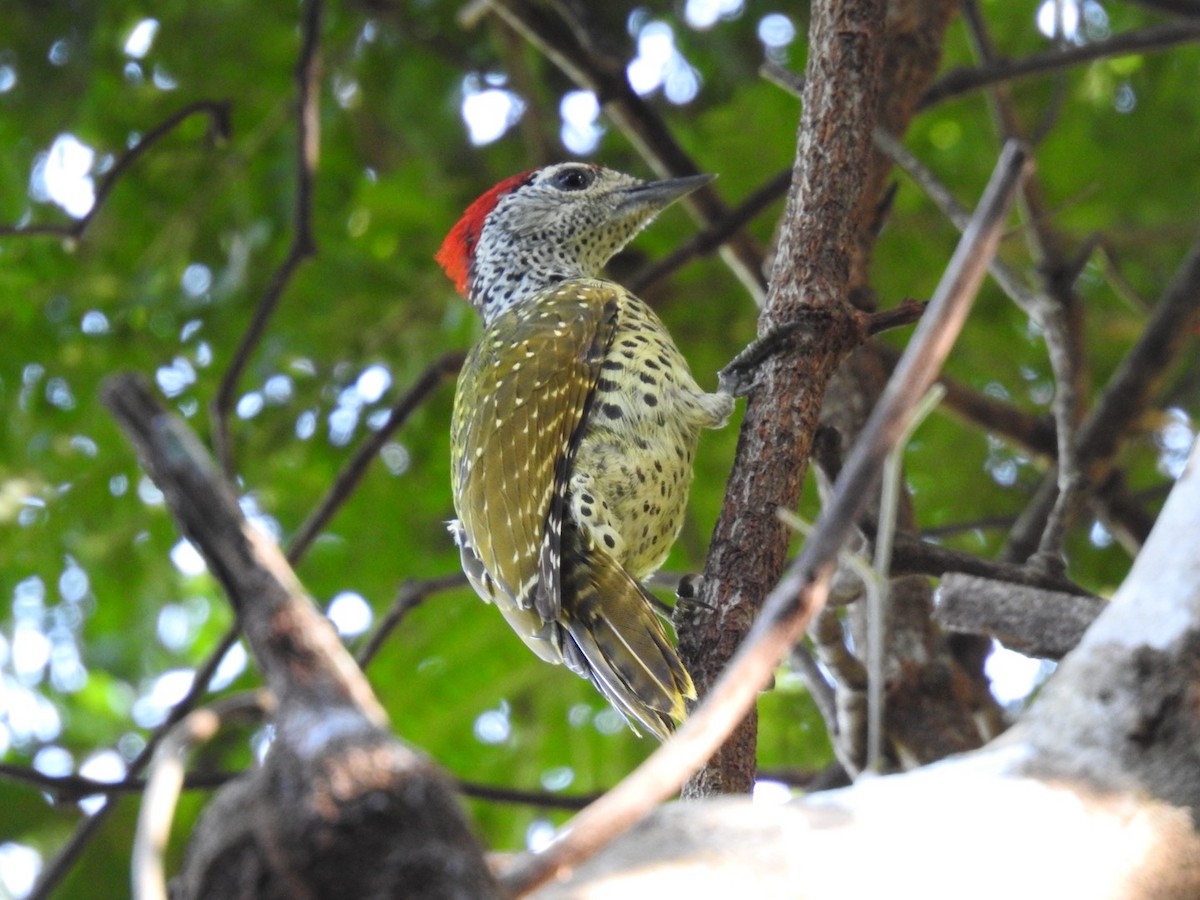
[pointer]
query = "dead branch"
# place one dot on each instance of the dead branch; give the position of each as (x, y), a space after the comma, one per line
(338, 802)
(1030, 620)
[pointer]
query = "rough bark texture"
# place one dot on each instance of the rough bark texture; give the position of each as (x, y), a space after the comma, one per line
(365, 817)
(932, 700)
(808, 284)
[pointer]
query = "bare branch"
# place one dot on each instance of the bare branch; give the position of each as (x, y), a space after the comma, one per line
(1126, 395)
(911, 555)
(1027, 619)
(71, 788)
(539, 799)
(303, 244)
(411, 595)
(1057, 310)
(217, 112)
(906, 313)
(1148, 40)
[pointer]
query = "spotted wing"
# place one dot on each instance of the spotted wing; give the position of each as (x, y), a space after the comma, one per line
(522, 398)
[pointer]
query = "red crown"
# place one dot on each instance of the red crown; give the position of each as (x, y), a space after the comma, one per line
(458, 248)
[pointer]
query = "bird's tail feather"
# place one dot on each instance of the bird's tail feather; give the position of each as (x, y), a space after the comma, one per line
(619, 643)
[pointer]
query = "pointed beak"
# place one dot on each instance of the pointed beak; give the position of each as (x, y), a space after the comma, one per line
(657, 195)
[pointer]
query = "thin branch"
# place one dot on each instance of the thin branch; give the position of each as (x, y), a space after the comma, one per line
(217, 112)
(444, 367)
(1187, 8)
(539, 799)
(1126, 395)
(1012, 283)
(411, 595)
(1110, 267)
(554, 32)
(907, 312)
(878, 593)
(1057, 310)
(801, 592)
(1148, 40)
(913, 556)
(72, 788)
(303, 244)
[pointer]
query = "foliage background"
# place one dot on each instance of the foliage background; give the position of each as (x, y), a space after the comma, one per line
(102, 622)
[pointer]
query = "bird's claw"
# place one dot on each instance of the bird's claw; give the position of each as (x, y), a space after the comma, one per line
(739, 377)
(687, 594)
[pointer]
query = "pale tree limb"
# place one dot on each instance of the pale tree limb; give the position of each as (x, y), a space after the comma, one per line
(1091, 794)
(1030, 620)
(166, 780)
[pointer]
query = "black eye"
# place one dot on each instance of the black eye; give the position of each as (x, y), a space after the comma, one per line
(574, 179)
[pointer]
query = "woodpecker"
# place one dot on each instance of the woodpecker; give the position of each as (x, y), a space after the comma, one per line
(574, 429)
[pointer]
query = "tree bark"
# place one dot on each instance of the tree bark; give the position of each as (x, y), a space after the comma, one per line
(808, 284)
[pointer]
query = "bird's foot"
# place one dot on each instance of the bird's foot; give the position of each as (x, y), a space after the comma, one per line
(739, 377)
(687, 594)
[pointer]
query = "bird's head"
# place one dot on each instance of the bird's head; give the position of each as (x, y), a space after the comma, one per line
(541, 227)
